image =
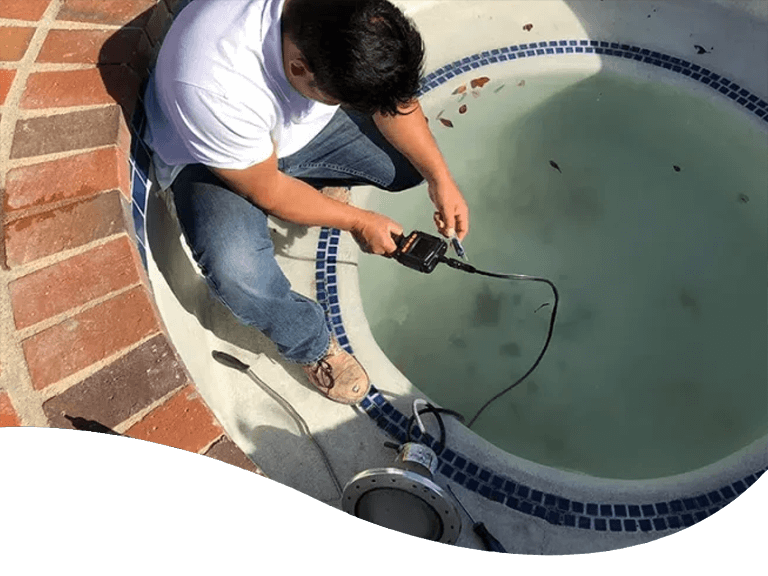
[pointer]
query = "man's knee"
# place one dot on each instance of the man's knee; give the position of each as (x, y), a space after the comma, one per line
(405, 179)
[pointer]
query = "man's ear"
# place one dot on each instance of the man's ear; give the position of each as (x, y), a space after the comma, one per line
(299, 67)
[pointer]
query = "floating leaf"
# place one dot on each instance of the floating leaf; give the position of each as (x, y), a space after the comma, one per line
(700, 49)
(460, 90)
(677, 168)
(528, 27)
(462, 109)
(479, 82)
(555, 166)
(446, 122)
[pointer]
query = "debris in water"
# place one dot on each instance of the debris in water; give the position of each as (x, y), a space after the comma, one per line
(700, 49)
(521, 83)
(676, 167)
(743, 198)
(460, 90)
(446, 122)
(475, 93)
(555, 166)
(497, 90)
(462, 109)
(462, 97)
(540, 307)
(528, 27)
(479, 82)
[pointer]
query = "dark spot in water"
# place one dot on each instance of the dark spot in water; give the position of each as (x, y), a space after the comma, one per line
(689, 302)
(446, 122)
(700, 49)
(743, 198)
(528, 27)
(462, 109)
(555, 166)
(457, 341)
(676, 167)
(487, 308)
(510, 349)
(569, 327)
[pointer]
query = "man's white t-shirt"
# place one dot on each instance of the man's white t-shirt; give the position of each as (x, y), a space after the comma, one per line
(219, 95)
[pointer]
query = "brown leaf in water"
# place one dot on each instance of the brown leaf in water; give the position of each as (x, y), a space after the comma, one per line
(479, 82)
(528, 27)
(521, 83)
(462, 109)
(446, 122)
(460, 90)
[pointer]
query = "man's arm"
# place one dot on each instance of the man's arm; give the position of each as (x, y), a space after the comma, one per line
(410, 134)
(292, 200)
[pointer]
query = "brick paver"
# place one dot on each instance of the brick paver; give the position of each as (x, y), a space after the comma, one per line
(118, 12)
(28, 239)
(124, 388)
(14, 42)
(127, 46)
(73, 282)
(6, 80)
(76, 176)
(23, 9)
(8, 416)
(89, 337)
(227, 451)
(183, 422)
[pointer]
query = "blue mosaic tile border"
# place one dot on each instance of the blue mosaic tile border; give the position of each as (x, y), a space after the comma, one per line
(751, 102)
(646, 517)
(139, 162)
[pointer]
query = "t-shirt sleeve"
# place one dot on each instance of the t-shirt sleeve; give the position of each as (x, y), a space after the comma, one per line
(220, 132)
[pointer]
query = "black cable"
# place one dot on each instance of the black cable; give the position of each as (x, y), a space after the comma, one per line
(463, 266)
(429, 408)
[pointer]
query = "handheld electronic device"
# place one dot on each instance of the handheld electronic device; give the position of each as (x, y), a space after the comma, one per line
(420, 251)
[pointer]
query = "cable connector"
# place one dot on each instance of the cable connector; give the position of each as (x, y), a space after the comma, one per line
(458, 264)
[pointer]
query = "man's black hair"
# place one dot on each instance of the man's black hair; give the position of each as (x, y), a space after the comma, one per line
(364, 53)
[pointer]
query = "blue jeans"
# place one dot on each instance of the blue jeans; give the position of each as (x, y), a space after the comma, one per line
(229, 238)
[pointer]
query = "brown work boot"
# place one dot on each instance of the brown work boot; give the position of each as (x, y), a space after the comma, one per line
(339, 376)
(339, 193)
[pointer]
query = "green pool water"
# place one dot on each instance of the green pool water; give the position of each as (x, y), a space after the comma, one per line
(654, 230)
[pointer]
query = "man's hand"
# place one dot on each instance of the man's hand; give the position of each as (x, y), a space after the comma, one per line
(452, 211)
(410, 134)
(373, 233)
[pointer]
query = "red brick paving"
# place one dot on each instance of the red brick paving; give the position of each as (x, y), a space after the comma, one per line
(14, 42)
(28, 239)
(6, 79)
(23, 9)
(8, 416)
(67, 203)
(89, 337)
(76, 176)
(182, 422)
(73, 282)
